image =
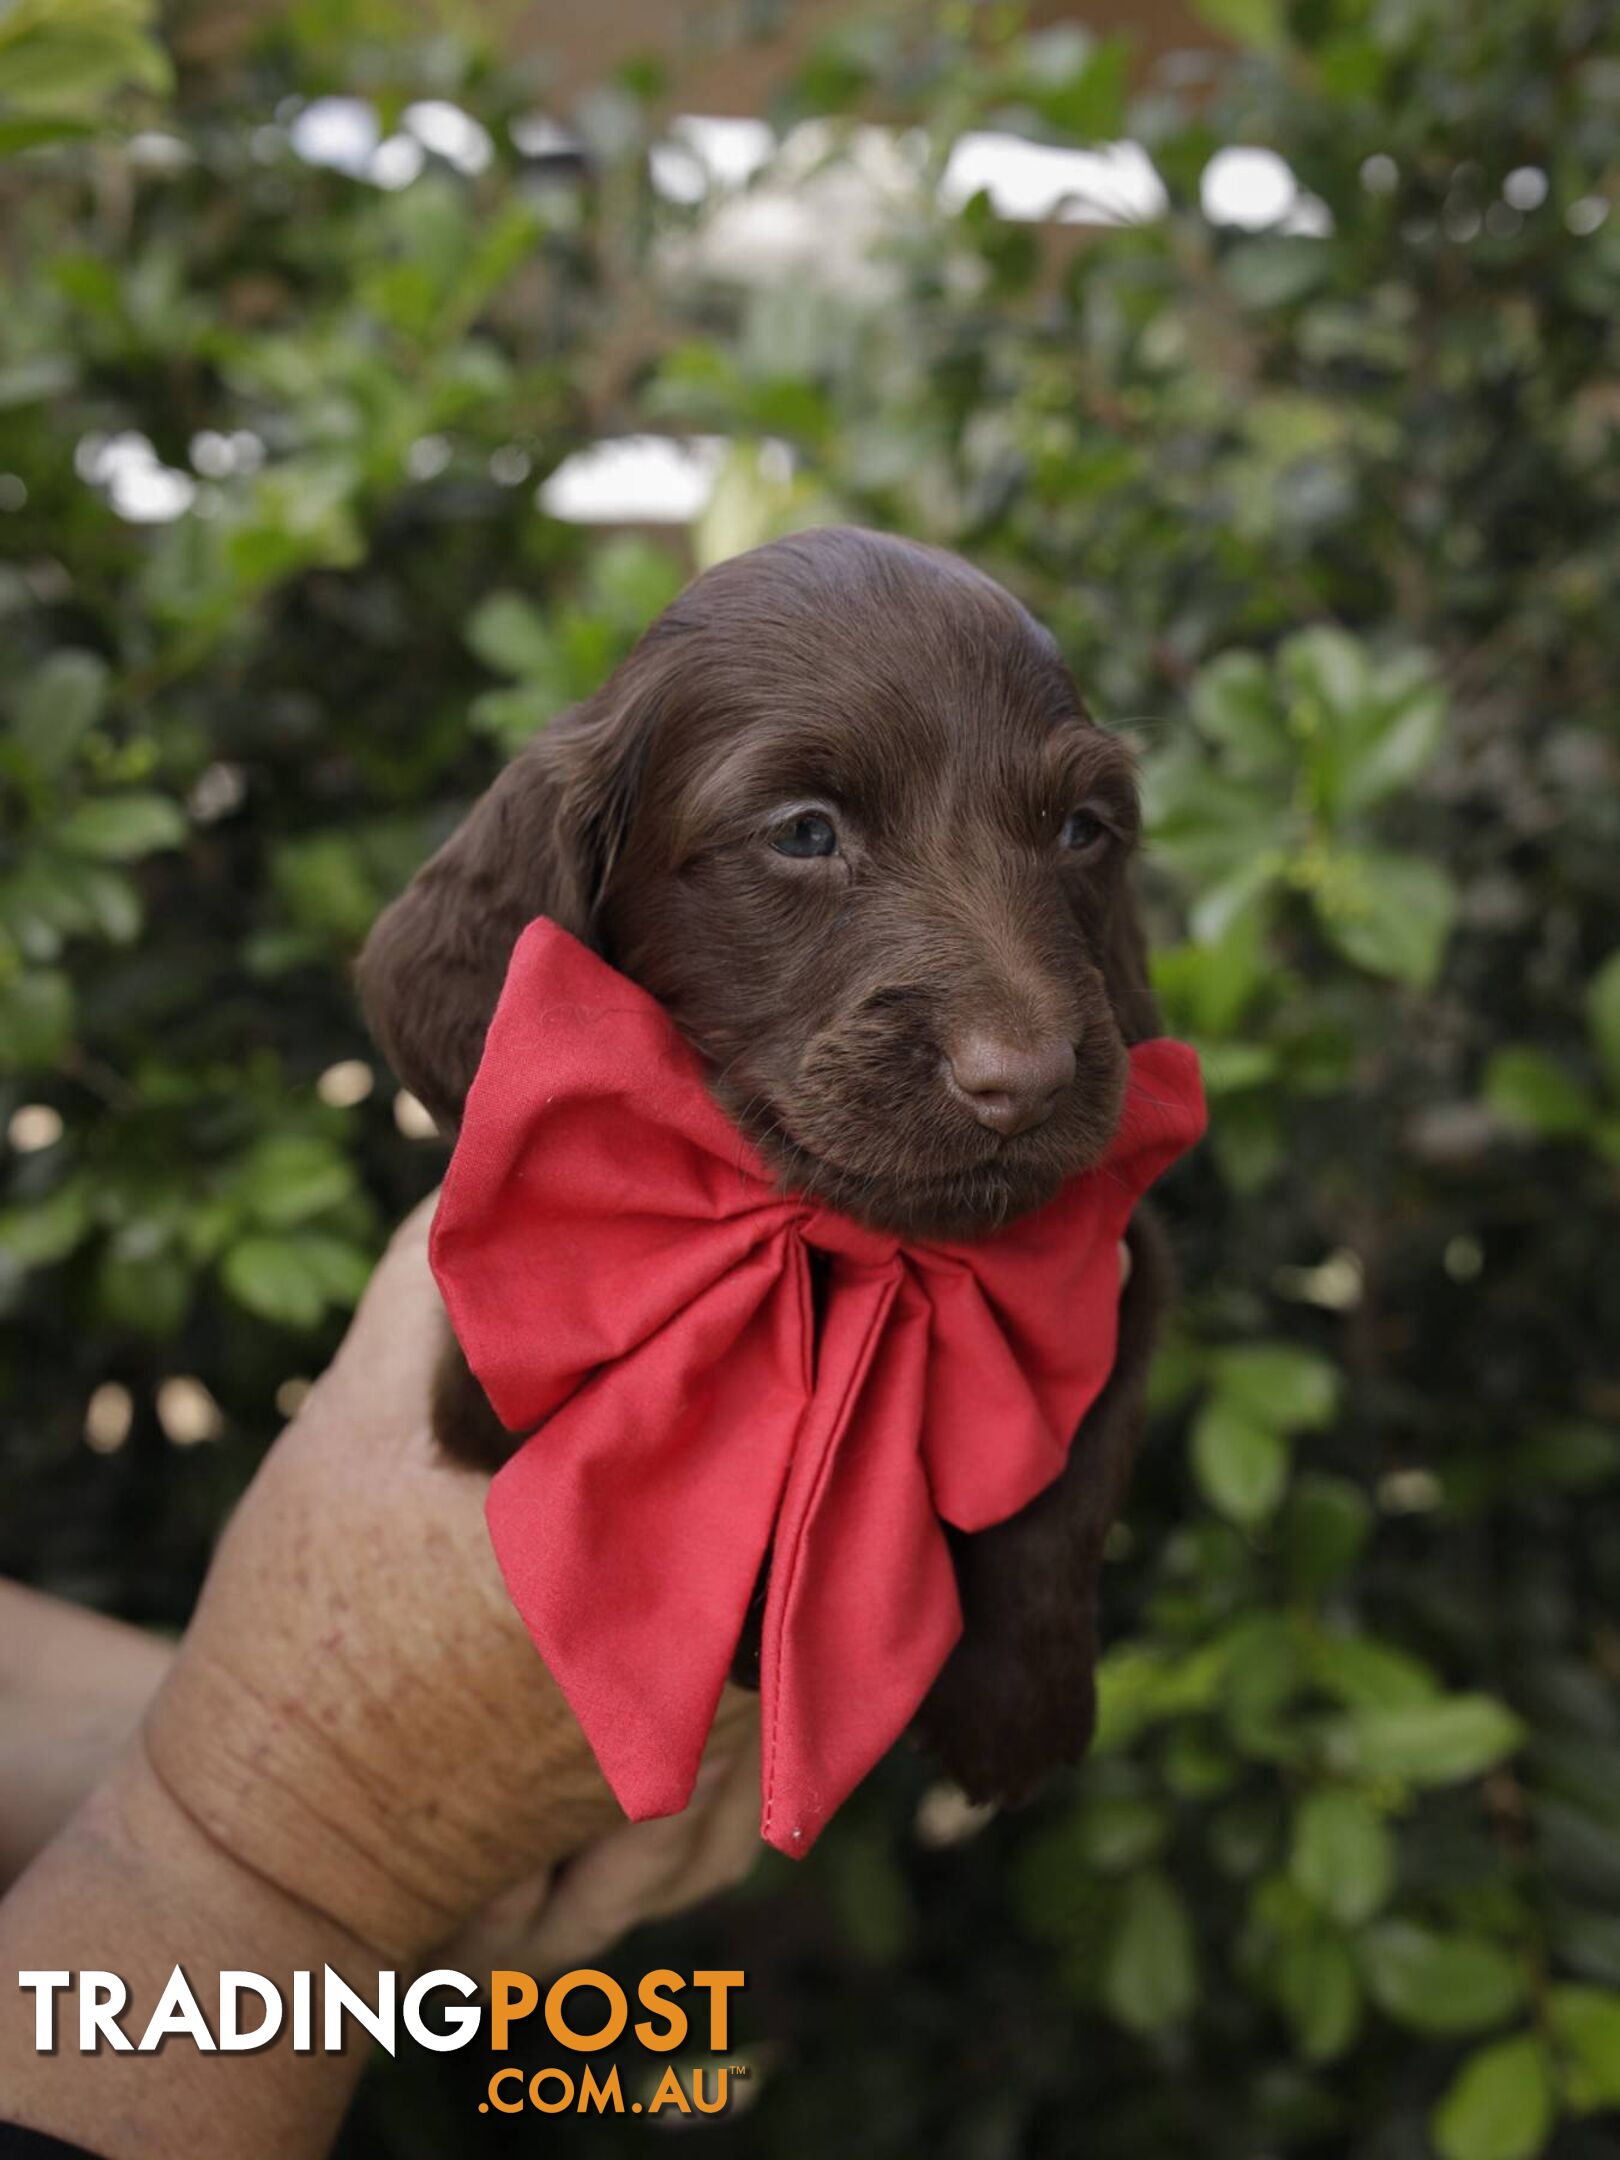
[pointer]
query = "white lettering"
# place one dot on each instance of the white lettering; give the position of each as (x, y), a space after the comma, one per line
(232, 1986)
(178, 2011)
(339, 1997)
(101, 1996)
(463, 2023)
(46, 1986)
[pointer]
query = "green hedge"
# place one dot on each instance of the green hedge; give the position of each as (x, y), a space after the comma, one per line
(1329, 516)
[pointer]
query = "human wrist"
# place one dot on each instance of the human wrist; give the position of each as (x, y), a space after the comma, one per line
(390, 1758)
(278, 1796)
(73, 1687)
(134, 1888)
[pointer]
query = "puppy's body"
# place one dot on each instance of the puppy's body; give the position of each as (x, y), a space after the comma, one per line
(842, 812)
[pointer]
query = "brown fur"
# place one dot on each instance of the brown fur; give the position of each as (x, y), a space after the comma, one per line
(929, 718)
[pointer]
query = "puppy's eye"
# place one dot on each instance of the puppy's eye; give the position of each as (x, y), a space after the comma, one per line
(1083, 833)
(804, 835)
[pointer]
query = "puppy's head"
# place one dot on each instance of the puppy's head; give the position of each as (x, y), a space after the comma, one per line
(843, 814)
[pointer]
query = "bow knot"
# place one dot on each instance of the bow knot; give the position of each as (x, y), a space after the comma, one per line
(841, 1235)
(633, 1291)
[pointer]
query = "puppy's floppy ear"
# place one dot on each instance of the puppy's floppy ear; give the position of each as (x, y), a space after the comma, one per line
(541, 841)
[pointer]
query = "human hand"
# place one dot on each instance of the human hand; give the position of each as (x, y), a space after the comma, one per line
(356, 1712)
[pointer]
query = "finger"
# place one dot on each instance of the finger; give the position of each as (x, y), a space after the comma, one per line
(728, 1843)
(1124, 1263)
(501, 1932)
(604, 1891)
(381, 1380)
(645, 1870)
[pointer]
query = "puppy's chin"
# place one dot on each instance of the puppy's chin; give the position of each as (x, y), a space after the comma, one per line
(972, 1202)
(973, 1196)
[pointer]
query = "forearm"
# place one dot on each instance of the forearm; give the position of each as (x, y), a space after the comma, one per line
(73, 1687)
(131, 1886)
(354, 1752)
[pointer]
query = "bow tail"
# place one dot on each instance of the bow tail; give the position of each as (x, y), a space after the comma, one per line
(861, 1609)
(631, 1527)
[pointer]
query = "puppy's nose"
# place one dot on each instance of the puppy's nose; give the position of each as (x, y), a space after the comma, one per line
(1011, 1087)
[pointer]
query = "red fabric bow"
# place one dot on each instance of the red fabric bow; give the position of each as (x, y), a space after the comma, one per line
(622, 1272)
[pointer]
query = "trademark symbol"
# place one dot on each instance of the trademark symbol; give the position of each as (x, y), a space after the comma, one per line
(738, 2069)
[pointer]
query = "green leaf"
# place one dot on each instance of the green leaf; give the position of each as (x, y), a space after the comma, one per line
(1342, 1856)
(1324, 669)
(510, 635)
(1207, 986)
(1585, 2024)
(1272, 270)
(1500, 2105)
(1603, 1017)
(1261, 24)
(326, 885)
(1137, 1685)
(71, 58)
(1439, 1743)
(58, 705)
(1279, 1384)
(1319, 1992)
(1230, 1068)
(1116, 1832)
(338, 1269)
(28, 134)
(79, 895)
(1241, 1465)
(1364, 731)
(36, 1019)
(118, 828)
(1572, 1454)
(1436, 1983)
(39, 1233)
(109, 896)
(1390, 914)
(272, 1278)
(148, 1292)
(1262, 1671)
(1400, 743)
(1370, 1675)
(631, 580)
(1329, 1520)
(511, 717)
(1150, 1979)
(1235, 707)
(1209, 825)
(1248, 1142)
(1079, 91)
(290, 1177)
(1531, 1093)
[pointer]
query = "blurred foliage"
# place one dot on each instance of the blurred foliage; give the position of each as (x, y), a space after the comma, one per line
(1327, 511)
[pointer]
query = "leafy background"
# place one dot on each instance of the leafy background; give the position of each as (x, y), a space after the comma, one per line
(1327, 511)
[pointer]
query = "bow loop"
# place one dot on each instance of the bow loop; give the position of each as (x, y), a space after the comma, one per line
(622, 1274)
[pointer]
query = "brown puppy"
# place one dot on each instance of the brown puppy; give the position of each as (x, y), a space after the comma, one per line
(843, 813)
